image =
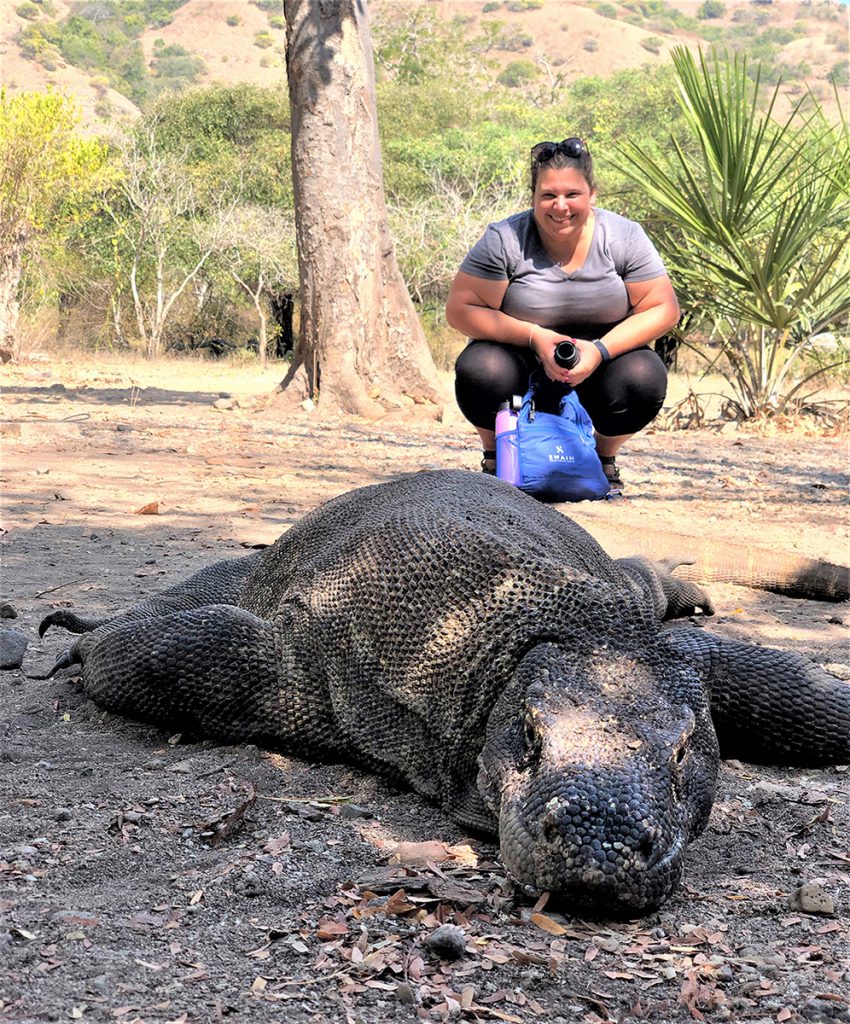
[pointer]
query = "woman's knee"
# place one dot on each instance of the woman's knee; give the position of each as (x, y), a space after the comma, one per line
(486, 373)
(628, 395)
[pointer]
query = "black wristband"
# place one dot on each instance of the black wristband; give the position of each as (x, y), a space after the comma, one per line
(606, 355)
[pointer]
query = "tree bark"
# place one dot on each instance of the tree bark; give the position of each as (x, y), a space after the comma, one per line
(11, 268)
(361, 345)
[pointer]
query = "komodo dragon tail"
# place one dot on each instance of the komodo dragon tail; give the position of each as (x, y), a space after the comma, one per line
(712, 561)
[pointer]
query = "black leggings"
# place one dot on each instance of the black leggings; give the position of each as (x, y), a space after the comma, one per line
(620, 397)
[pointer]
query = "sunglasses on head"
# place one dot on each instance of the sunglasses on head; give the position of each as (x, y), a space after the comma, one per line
(572, 147)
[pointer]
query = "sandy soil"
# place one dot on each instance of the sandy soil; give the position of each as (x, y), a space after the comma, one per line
(128, 894)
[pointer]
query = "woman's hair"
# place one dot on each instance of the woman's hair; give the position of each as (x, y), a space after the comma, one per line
(571, 152)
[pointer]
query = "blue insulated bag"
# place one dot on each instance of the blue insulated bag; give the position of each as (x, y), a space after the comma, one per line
(554, 454)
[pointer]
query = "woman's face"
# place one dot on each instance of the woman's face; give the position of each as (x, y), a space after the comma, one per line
(562, 204)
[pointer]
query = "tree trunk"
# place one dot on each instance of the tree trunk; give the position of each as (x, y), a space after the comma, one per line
(11, 268)
(359, 330)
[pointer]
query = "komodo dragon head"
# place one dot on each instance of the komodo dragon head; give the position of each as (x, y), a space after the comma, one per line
(600, 771)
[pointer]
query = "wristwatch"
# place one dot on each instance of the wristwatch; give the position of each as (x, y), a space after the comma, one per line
(606, 355)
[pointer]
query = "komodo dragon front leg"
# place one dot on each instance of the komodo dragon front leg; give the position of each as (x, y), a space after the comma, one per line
(767, 705)
(215, 671)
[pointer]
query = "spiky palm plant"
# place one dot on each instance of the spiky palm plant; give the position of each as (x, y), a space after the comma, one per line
(755, 216)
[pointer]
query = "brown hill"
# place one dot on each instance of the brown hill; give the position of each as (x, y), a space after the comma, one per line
(18, 74)
(239, 42)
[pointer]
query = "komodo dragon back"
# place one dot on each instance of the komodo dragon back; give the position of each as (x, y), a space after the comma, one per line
(458, 636)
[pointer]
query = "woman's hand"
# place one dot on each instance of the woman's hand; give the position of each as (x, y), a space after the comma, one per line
(544, 344)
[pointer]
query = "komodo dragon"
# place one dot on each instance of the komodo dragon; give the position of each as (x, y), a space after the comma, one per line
(454, 634)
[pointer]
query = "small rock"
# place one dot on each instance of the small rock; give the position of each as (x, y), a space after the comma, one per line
(354, 811)
(7, 611)
(812, 898)
(406, 994)
(13, 644)
(182, 768)
(224, 403)
(822, 1010)
(608, 943)
(101, 984)
(448, 942)
(766, 792)
(838, 669)
(62, 814)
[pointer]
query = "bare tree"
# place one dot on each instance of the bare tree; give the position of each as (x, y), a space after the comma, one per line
(259, 253)
(360, 339)
(157, 219)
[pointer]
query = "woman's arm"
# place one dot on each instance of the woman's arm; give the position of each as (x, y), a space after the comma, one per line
(473, 308)
(655, 309)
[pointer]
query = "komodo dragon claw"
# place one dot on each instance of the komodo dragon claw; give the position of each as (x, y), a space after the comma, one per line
(66, 660)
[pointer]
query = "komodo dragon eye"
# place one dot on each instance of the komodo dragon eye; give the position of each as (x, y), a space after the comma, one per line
(682, 748)
(531, 735)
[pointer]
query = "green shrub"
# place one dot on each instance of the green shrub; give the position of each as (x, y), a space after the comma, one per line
(233, 20)
(488, 8)
(27, 10)
(606, 10)
(263, 40)
(590, 44)
(711, 9)
(181, 67)
(652, 43)
(277, 21)
(840, 73)
(518, 73)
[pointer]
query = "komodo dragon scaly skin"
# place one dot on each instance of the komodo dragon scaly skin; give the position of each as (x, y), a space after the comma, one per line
(454, 634)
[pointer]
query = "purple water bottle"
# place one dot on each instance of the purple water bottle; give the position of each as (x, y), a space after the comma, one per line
(507, 440)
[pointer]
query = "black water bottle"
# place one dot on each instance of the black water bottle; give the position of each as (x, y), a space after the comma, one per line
(549, 393)
(566, 354)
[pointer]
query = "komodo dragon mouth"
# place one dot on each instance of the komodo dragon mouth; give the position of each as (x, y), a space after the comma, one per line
(453, 633)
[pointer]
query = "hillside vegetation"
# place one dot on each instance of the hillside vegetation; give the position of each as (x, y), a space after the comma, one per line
(116, 56)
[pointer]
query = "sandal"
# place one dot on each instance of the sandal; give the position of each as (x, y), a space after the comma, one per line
(609, 468)
(488, 463)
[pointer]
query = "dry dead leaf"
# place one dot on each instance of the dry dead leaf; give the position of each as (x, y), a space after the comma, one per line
(398, 903)
(151, 509)
(330, 929)
(548, 924)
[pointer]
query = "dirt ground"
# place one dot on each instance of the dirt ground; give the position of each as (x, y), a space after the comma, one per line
(146, 878)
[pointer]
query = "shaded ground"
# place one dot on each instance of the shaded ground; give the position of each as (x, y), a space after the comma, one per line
(118, 904)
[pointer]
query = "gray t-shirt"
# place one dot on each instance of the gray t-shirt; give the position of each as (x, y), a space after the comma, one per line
(584, 303)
